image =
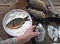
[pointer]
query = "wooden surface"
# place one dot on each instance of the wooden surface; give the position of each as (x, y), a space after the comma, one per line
(21, 5)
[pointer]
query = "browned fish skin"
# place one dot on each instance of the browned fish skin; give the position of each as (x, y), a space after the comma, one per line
(38, 4)
(16, 23)
(37, 14)
(41, 6)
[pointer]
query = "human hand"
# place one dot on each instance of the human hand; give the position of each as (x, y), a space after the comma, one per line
(28, 35)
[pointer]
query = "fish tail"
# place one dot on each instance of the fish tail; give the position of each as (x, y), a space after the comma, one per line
(26, 19)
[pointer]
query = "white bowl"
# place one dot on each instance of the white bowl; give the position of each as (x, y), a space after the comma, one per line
(16, 13)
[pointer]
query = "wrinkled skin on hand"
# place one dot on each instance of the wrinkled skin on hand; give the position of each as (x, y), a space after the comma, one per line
(28, 35)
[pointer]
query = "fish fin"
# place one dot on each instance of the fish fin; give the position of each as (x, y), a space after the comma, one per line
(26, 19)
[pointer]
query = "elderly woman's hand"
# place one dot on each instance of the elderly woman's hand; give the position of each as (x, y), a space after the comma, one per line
(27, 36)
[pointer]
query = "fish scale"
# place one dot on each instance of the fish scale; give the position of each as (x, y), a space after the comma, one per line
(16, 23)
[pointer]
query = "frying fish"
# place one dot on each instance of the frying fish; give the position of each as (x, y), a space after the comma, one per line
(16, 23)
(37, 14)
(40, 5)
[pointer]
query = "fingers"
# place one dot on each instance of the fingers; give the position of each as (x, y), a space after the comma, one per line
(32, 28)
(36, 34)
